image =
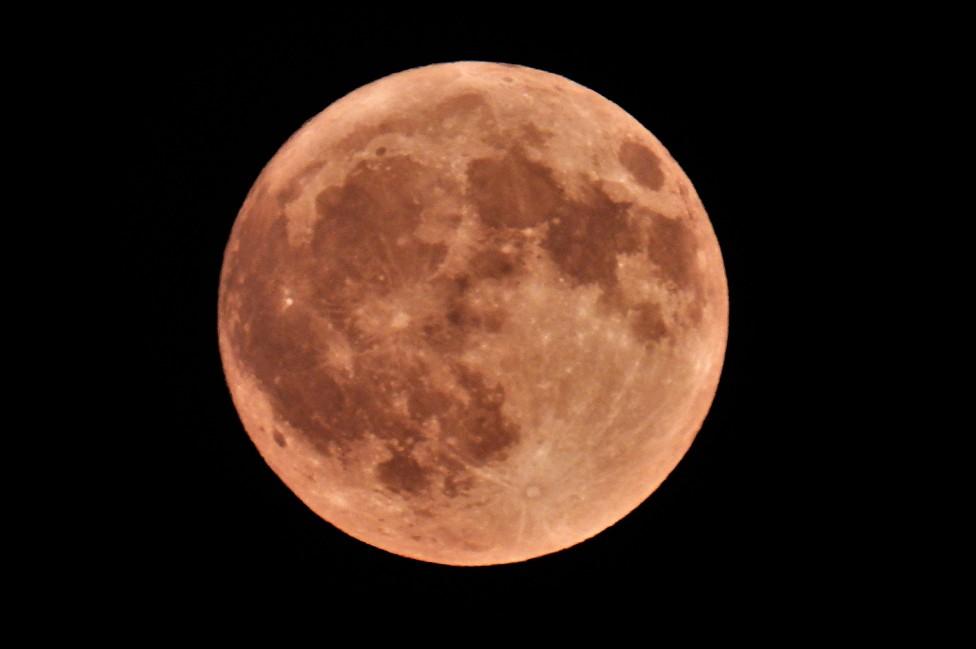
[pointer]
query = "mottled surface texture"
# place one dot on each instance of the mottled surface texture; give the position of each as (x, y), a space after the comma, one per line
(472, 313)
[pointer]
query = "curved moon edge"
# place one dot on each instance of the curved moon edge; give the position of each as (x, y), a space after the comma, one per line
(472, 313)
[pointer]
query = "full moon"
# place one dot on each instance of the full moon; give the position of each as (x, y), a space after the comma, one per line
(472, 313)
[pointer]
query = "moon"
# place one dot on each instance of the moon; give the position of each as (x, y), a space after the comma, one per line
(472, 313)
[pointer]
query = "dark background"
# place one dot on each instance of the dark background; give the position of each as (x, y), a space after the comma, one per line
(199, 107)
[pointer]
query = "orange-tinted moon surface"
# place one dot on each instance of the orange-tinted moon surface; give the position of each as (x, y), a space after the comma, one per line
(472, 313)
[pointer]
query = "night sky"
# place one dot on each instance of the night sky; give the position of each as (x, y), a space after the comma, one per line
(201, 106)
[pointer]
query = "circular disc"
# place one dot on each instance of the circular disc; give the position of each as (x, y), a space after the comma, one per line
(472, 313)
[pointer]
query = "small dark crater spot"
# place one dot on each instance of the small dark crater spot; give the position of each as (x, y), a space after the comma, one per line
(381, 150)
(534, 135)
(457, 483)
(494, 320)
(443, 338)
(492, 263)
(508, 79)
(280, 439)
(425, 403)
(642, 164)
(402, 473)
(649, 323)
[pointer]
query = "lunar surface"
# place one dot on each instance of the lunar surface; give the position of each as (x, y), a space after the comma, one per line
(472, 313)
